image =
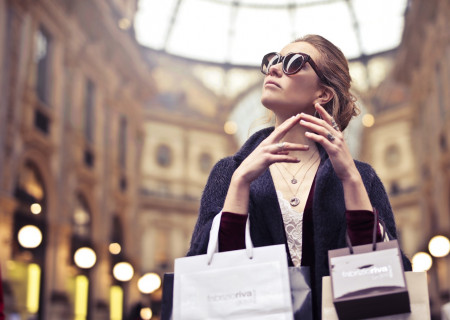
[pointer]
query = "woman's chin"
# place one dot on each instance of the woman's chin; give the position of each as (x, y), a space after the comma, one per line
(278, 106)
(270, 103)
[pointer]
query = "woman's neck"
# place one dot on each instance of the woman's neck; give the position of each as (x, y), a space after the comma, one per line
(296, 134)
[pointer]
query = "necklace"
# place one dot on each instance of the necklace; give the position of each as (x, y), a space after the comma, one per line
(295, 201)
(294, 179)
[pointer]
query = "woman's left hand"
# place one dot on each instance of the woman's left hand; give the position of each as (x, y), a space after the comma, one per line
(326, 132)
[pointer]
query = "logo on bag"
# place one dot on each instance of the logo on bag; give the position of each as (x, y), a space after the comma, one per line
(370, 270)
(239, 297)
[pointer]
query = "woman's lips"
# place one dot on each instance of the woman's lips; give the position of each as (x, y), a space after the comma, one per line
(272, 83)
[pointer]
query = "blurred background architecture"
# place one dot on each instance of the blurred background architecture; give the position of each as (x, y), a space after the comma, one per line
(113, 112)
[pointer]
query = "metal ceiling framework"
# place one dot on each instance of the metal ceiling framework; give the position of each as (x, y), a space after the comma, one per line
(290, 7)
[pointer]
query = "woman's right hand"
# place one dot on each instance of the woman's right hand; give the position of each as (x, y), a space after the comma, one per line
(269, 151)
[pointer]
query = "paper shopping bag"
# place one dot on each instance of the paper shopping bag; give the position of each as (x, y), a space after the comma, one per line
(301, 296)
(300, 281)
(252, 283)
(418, 294)
(366, 277)
(167, 297)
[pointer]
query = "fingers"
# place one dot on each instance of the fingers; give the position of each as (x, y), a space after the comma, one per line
(282, 158)
(321, 129)
(326, 117)
(324, 131)
(282, 129)
(323, 113)
(285, 147)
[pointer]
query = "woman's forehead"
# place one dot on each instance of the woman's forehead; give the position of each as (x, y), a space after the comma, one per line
(303, 47)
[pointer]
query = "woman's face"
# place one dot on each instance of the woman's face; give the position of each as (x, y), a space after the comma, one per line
(288, 95)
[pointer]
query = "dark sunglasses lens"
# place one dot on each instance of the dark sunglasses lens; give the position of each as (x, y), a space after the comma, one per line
(293, 63)
(268, 61)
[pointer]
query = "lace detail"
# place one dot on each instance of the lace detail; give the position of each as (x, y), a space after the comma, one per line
(293, 226)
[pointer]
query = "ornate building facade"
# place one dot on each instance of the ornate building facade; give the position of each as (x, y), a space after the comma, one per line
(184, 130)
(408, 144)
(73, 83)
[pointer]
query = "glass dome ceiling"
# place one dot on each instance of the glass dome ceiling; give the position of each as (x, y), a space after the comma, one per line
(240, 32)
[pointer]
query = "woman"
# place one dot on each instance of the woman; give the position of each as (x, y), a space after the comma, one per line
(297, 181)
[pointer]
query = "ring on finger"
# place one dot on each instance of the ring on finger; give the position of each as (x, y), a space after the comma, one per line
(281, 145)
(334, 124)
(330, 137)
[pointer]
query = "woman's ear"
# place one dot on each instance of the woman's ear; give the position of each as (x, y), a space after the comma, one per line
(325, 96)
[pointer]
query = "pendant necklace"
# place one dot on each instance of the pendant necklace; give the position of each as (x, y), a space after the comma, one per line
(294, 179)
(295, 201)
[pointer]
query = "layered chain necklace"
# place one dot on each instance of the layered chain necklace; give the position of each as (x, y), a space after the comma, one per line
(295, 201)
(294, 179)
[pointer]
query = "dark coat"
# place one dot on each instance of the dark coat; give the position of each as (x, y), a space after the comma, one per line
(266, 223)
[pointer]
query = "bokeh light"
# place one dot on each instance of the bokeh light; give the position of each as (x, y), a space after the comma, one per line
(439, 246)
(149, 282)
(29, 236)
(123, 271)
(146, 313)
(115, 248)
(230, 127)
(85, 258)
(368, 120)
(421, 261)
(35, 208)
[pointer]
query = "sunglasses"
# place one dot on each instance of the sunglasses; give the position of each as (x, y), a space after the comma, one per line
(292, 63)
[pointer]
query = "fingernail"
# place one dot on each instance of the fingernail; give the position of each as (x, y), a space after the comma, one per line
(302, 121)
(307, 134)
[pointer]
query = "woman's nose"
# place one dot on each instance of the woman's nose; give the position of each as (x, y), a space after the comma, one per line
(275, 69)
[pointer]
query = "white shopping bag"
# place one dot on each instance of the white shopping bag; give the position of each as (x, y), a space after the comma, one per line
(252, 283)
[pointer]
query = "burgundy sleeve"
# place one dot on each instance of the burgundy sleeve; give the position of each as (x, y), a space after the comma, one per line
(360, 226)
(232, 231)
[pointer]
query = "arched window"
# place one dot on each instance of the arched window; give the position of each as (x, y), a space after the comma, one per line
(164, 155)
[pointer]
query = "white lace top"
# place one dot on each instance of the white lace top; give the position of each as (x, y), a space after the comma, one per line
(293, 225)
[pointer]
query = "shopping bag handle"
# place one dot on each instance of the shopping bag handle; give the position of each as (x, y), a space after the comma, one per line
(374, 233)
(213, 244)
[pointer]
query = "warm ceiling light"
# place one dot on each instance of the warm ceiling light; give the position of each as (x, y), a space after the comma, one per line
(439, 246)
(35, 208)
(123, 271)
(421, 261)
(149, 282)
(115, 248)
(85, 258)
(29, 236)
(368, 120)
